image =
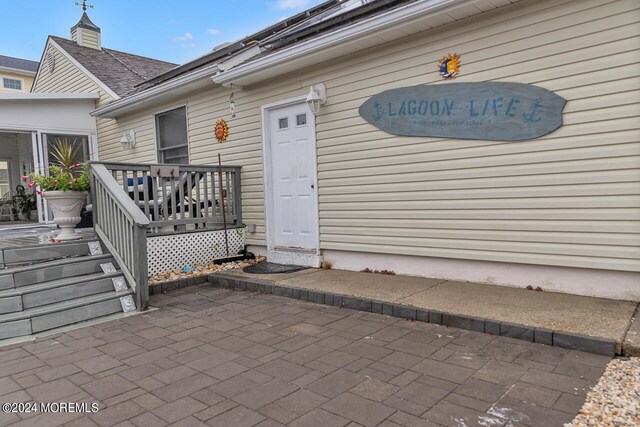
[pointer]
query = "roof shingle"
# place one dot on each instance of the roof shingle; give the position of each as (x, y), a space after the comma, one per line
(18, 64)
(120, 71)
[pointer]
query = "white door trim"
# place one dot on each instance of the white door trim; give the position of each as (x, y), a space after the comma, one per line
(295, 256)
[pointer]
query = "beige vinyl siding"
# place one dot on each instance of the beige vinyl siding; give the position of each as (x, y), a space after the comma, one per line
(89, 38)
(110, 132)
(68, 78)
(570, 198)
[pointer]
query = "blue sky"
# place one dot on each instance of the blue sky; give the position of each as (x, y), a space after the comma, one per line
(171, 30)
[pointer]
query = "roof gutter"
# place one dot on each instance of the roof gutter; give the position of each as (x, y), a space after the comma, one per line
(395, 17)
(222, 74)
(154, 92)
(17, 71)
(26, 97)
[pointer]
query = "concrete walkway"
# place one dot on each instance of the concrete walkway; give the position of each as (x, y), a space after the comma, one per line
(571, 321)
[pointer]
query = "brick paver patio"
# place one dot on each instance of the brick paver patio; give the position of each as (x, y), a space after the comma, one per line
(226, 358)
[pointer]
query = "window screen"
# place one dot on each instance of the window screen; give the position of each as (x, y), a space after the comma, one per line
(171, 131)
(79, 142)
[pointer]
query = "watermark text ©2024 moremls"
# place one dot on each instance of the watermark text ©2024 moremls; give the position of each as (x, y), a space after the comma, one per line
(50, 407)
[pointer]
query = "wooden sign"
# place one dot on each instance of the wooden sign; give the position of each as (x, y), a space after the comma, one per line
(493, 111)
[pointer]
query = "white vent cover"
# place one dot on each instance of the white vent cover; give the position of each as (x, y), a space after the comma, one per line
(51, 61)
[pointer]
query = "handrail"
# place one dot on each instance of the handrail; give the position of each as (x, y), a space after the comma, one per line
(122, 227)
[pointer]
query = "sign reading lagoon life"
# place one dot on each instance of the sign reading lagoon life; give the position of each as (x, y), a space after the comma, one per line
(493, 111)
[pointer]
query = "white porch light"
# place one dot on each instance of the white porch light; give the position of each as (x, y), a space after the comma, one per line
(128, 140)
(317, 97)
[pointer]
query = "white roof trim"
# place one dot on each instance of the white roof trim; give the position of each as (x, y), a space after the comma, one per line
(231, 69)
(18, 71)
(154, 92)
(353, 32)
(96, 80)
(47, 96)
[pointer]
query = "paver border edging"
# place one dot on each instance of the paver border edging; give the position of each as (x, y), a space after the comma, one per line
(546, 336)
(158, 288)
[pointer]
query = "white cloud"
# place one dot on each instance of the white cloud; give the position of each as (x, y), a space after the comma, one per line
(188, 45)
(291, 4)
(213, 31)
(187, 36)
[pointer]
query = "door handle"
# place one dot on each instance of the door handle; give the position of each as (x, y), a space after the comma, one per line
(313, 186)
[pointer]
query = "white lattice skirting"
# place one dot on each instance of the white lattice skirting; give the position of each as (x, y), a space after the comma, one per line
(166, 253)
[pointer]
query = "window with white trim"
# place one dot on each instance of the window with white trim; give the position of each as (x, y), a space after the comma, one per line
(13, 84)
(5, 182)
(171, 134)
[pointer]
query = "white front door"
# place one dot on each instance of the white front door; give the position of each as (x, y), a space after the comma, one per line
(291, 158)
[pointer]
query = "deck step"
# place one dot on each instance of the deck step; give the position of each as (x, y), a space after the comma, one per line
(12, 300)
(39, 253)
(77, 314)
(50, 286)
(38, 319)
(52, 270)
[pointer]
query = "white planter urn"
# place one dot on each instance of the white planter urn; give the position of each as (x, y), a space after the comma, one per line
(66, 207)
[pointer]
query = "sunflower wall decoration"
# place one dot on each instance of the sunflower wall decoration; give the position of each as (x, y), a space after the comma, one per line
(449, 66)
(221, 130)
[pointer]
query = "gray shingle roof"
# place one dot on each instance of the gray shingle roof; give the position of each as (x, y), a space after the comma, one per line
(18, 64)
(120, 71)
(85, 22)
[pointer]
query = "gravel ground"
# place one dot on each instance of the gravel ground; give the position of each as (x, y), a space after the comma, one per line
(615, 400)
(201, 270)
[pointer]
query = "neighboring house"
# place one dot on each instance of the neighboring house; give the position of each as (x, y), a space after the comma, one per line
(82, 65)
(74, 77)
(561, 211)
(16, 75)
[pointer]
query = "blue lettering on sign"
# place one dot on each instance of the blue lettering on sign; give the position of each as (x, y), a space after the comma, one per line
(534, 115)
(491, 111)
(512, 107)
(391, 113)
(412, 107)
(471, 112)
(447, 106)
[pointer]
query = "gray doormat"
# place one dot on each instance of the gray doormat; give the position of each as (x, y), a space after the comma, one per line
(271, 268)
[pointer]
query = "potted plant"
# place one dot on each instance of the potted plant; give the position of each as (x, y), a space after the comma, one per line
(65, 187)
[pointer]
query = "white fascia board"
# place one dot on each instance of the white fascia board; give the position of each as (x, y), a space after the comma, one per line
(356, 31)
(17, 71)
(239, 58)
(47, 96)
(112, 109)
(89, 74)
